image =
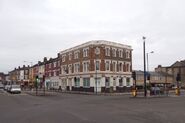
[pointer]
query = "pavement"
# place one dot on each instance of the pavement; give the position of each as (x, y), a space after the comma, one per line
(81, 108)
(139, 94)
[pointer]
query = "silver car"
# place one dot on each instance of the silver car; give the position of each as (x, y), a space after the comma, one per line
(1, 86)
(15, 89)
(7, 87)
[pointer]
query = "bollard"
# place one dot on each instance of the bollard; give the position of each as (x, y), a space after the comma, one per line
(177, 91)
(148, 93)
(134, 93)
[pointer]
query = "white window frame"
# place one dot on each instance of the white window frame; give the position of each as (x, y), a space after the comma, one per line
(120, 69)
(86, 83)
(76, 54)
(86, 65)
(70, 56)
(107, 51)
(114, 68)
(77, 67)
(85, 52)
(127, 54)
(54, 73)
(63, 68)
(114, 52)
(127, 68)
(120, 53)
(107, 61)
(107, 84)
(63, 58)
(70, 68)
(128, 84)
(77, 83)
(96, 65)
(26, 71)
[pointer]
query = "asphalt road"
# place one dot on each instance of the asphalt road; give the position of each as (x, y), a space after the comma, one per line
(76, 108)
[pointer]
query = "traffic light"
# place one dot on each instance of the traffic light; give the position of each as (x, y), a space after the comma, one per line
(148, 76)
(134, 75)
(36, 80)
(178, 78)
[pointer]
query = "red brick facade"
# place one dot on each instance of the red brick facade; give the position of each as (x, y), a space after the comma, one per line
(88, 54)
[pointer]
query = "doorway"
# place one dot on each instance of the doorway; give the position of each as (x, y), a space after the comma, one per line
(97, 85)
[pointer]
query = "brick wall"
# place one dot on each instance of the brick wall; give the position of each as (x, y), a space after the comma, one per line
(92, 57)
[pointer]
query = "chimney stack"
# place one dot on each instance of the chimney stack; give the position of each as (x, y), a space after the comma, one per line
(45, 59)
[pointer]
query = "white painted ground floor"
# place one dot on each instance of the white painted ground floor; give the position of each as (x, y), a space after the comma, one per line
(89, 83)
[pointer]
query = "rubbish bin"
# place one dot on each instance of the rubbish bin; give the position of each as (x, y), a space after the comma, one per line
(177, 91)
(134, 92)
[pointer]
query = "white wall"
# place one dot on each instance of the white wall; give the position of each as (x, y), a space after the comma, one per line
(21, 77)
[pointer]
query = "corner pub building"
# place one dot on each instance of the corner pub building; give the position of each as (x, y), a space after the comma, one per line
(97, 66)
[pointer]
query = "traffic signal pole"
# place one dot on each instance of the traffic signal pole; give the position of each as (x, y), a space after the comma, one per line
(36, 88)
(43, 79)
(134, 78)
(134, 91)
(178, 78)
(36, 85)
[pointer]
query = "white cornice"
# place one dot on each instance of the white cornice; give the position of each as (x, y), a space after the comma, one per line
(97, 42)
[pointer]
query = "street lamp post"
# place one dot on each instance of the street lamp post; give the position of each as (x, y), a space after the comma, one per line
(145, 91)
(43, 79)
(96, 68)
(96, 81)
(36, 85)
(37, 78)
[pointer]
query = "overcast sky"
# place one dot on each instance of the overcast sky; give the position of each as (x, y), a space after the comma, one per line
(33, 29)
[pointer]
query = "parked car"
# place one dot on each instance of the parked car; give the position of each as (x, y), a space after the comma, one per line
(15, 89)
(155, 91)
(1, 86)
(7, 87)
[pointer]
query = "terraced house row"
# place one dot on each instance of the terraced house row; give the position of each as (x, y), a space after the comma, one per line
(95, 66)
